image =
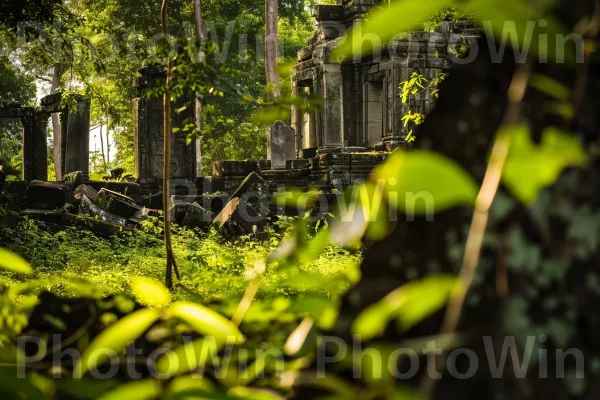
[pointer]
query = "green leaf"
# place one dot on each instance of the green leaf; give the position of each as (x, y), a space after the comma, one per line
(385, 23)
(116, 338)
(191, 387)
(142, 390)
(530, 168)
(420, 182)
(189, 356)
(409, 304)
(206, 321)
(14, 263)
(549, 86)
(150, 292)
(521, 20)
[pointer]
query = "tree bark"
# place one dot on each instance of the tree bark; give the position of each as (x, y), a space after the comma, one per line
(171, 263)
(271, 43)
(199, 22)
(56, 133)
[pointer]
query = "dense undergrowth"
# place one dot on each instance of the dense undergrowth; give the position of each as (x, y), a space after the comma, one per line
(74, 262)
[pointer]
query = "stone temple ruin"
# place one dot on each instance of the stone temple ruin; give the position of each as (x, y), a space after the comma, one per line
(332, 148)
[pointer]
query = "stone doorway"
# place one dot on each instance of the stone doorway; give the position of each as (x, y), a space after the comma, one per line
(374, 112)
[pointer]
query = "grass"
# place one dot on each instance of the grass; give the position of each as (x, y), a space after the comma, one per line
(213, 270)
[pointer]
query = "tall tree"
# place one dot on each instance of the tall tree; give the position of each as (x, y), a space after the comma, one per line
(271, 44)
(199, 22)
(59, 70)
(171, 262)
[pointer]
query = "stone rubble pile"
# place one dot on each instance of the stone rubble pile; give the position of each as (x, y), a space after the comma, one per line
(107, 211)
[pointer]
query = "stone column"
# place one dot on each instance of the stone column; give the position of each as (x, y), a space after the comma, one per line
(77, 147)
(64, 124)
(35, 147)
(148, 116)
(280, 145)
(332, 134)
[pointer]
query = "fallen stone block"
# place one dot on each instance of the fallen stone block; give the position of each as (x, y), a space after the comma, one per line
(74, 179)
(90, 209)
(178, 208)
(153, 201)
(142, 215)
(46, 195)
(254, 190)
(82, 190)
(48, 216)
(197, 217)
(10, 220)
(117, 203)
(96, 226)
(239, 218)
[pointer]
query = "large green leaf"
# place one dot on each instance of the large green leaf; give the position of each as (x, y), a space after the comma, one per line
(207, 322)
(116, 338)
(189, 357)
(385, 23)
(530, 167)
(408, 304)
(141, 390)
(422, 182)
(520, 20)
(150, 292)
(12, 262)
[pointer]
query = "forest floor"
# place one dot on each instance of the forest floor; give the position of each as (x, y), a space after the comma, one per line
(69, 262)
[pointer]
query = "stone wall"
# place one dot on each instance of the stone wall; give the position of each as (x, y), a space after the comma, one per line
(362, 99)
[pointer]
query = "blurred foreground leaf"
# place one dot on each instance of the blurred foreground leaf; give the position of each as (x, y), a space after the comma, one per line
(116, 338)
(530, 167)
(150, 292)
(14, 263)
(409, 304)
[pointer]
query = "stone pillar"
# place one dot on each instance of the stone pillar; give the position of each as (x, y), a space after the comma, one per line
(35, 147)
(148, 116)
(77, 147)
(332, 129)
(64, 124)
(280, 145)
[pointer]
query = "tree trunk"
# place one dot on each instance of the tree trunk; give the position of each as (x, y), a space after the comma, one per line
(199, 22)
(56, 134)
(271, 43)
(102, 148)
(171, 263)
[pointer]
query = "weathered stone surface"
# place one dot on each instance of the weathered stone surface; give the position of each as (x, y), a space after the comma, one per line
(281, 145)
(308, 153)
(298, 164)
(77, 142)
(75, 179)
(88, 208)
(178, 207)
(50, 216)
(234, 168)
(142, 215)
(46, 195)
(86, 190)
(197, 217)
(153, 201)
(10, 220)
(210, 184)
(117, 203)
(239, 218)
(328, 12)
(148, 133)
(254, 190)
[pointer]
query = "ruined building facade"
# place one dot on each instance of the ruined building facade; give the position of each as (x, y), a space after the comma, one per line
(363, 106)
